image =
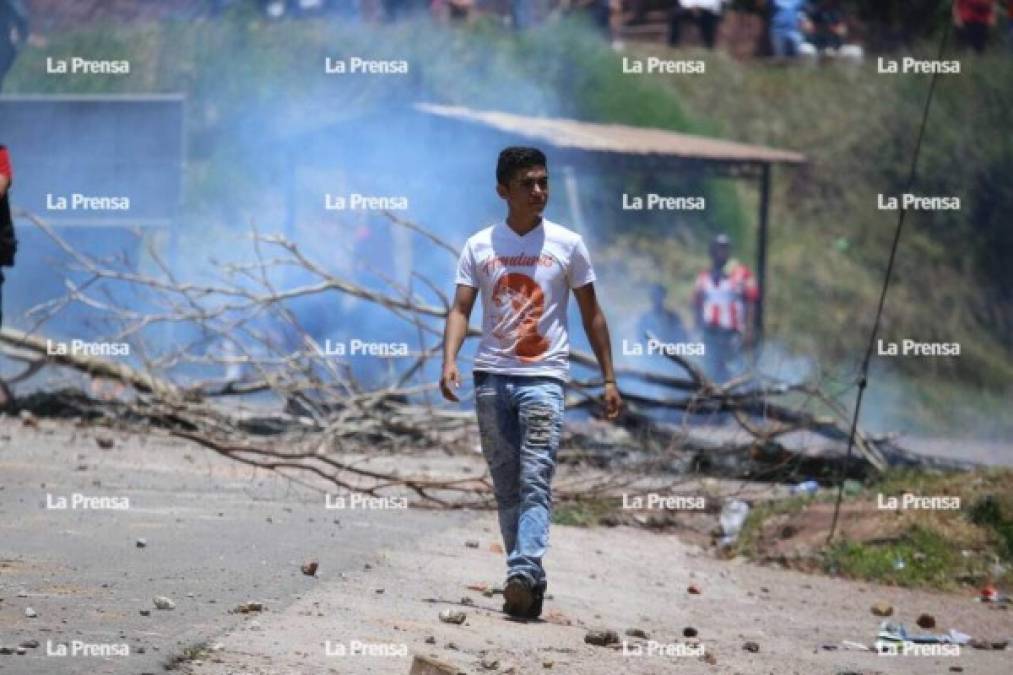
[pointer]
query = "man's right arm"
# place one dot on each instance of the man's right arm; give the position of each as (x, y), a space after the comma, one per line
(453, 337)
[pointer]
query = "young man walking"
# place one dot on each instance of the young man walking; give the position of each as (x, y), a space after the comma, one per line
(524, 269)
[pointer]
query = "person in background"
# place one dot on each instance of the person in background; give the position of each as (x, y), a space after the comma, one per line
(524, 14)
(13, 33)
(599, 13)
(827, 27)
(724, 304)
(277, 9)
(397, 10)
(8, 243)
(452, 10)
(973, 19)
(662, 322)
(1009, 25)
(788, 24)
(706, 14)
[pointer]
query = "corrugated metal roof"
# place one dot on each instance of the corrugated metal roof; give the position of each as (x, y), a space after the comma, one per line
(615, 138)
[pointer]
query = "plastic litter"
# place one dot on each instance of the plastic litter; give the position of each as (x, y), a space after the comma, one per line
(733, 516)
(808, 487)
(958, 638)
(891, 635)
(991, 594)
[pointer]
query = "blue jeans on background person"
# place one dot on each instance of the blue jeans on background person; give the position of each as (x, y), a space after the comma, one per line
(520, 419)
(785, 41)
(722, 347)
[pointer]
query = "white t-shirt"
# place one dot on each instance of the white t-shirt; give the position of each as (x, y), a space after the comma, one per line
(709, 5)
(525, 285)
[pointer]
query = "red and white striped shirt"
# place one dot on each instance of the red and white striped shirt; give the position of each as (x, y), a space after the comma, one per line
(723, 301)
(5, 164)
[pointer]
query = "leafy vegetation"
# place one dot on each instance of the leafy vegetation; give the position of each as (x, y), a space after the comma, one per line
(941, 548)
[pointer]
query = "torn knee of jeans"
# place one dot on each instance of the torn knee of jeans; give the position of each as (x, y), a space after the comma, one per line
(541, 424)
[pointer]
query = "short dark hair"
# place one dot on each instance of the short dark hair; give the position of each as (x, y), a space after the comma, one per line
(513, 159)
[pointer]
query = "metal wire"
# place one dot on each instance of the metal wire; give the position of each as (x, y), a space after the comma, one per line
(863, 377)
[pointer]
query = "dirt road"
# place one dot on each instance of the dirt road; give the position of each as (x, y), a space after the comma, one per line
(614, 578)
(218, 535)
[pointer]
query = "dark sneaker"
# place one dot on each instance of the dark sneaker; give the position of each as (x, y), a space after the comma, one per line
(519, 596)
(535, 611)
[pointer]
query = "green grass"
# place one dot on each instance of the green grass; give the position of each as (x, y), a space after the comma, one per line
(194, 652)
(752, 529)
(921, 558)
(928, 549)
(584, 513)
(985, 496)
(996, 513)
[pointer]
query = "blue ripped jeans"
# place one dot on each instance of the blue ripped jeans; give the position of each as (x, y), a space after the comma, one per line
(520, 419)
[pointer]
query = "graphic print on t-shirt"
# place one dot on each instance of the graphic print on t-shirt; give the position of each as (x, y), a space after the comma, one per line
(518, 305)
(525, 283)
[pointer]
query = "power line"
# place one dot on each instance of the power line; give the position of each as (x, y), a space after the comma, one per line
(863, 377)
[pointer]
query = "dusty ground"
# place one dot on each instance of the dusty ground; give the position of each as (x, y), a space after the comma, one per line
(617, 578)
(219, 535)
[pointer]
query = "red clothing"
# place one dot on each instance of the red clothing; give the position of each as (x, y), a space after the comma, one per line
(722, 302)
(974, 11)
(5, 164)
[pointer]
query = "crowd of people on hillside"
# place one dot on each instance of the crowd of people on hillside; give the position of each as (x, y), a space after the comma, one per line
(822, 27)
(795, 28)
